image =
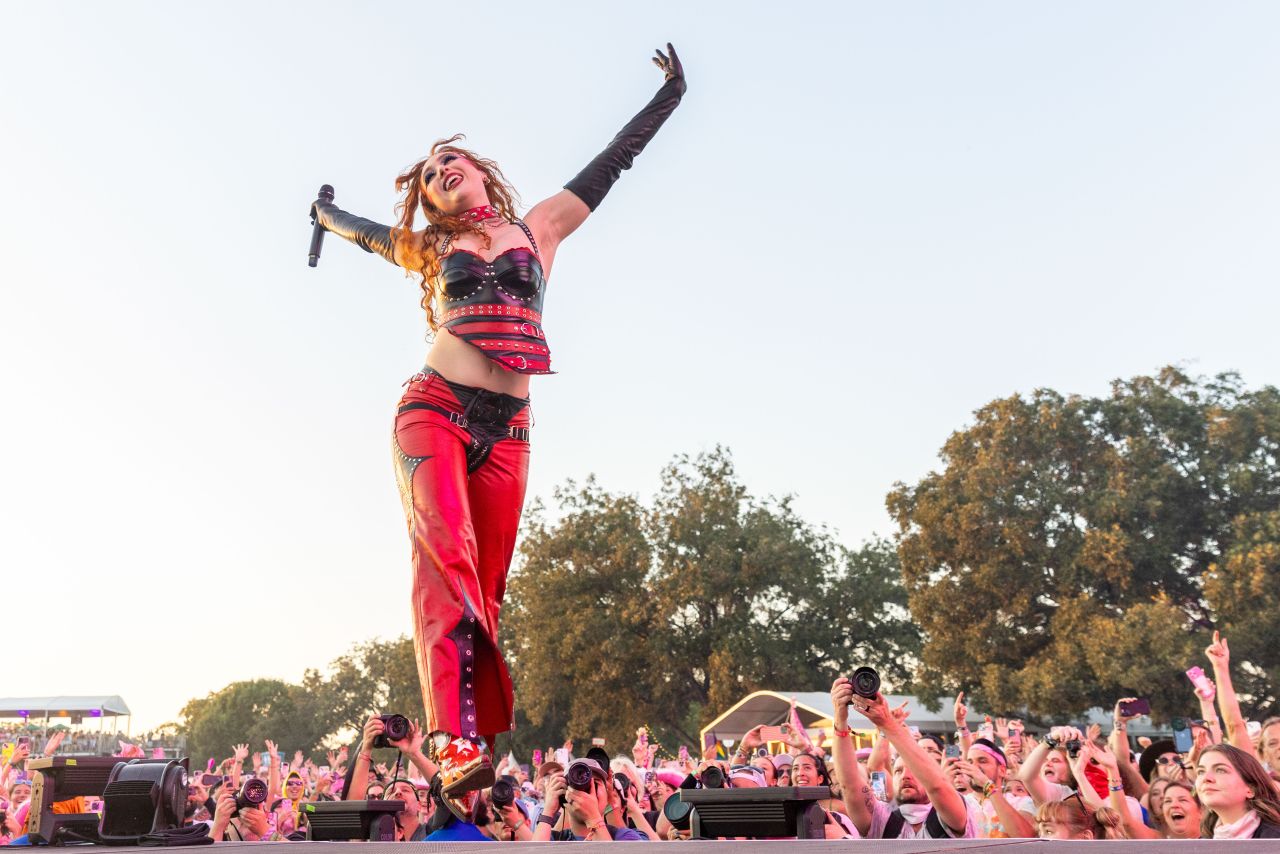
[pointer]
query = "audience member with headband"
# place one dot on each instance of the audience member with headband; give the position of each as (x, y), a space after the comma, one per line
(461, 442)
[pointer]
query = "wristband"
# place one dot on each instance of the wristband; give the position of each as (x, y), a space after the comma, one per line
(988, 789)
(548, 820)
(1119, 788)
(841, 733)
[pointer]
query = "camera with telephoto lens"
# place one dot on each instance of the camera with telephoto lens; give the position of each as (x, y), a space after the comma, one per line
(503, 793)
(253, 793)
(577, 776)
(865, 682)
(712, 777)
(394, 728)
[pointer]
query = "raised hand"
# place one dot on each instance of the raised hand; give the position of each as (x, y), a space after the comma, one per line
(962, 711)
(1218, 652)
(900, 713)
(412, 743)
(240, 752)
(297, 759)
(669, 63)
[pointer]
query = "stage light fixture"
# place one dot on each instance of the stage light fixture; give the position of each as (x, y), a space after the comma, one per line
(143, 797)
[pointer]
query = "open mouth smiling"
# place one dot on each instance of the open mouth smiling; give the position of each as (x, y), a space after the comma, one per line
(451, 181)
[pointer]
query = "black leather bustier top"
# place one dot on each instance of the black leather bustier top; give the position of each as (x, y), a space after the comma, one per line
(497, 306)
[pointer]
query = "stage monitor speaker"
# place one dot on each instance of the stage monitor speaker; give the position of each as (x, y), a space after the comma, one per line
(329, 821)
(57, 797)
(768, 813)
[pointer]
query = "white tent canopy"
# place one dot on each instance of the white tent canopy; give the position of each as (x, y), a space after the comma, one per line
(815, 710)
(63, 706)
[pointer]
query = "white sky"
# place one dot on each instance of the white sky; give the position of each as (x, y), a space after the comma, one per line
(865, 221)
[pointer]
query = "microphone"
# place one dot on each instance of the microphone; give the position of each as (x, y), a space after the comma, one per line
(317, 232)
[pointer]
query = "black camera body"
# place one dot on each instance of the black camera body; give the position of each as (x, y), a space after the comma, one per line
(865, 682)
(1073, 748)
(395, 728)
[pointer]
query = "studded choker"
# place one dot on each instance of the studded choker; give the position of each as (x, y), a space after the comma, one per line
(480, 214)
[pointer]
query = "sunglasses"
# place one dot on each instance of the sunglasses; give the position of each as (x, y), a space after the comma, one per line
(1171, 760)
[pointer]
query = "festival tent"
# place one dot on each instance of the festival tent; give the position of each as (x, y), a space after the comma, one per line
(73, 707)
(814, 710)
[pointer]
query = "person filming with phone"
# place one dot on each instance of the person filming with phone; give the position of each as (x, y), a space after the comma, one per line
(927, 805)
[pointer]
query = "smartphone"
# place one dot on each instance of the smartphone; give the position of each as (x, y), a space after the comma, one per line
(684, 753)
(93, 805)
(1140, 706)
(952, 751)
(209, 780)
(774, 733)
(878, 785)
(266, 758)
(1253, 728)
(915, 732)
(597, 742)
(1182, 739)
(537, 758)
(23, 741)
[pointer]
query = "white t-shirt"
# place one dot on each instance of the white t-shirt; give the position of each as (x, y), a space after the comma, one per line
(880, 817)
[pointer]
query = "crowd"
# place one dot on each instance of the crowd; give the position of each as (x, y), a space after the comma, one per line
(1000, 781)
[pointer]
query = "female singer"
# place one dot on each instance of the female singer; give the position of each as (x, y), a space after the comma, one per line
(461, 441)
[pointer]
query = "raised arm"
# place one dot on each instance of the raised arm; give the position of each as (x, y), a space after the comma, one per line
(559, 216)
(945, 799)
(859, 802)
(1030, 774)
(368, 235)
(1232, 719)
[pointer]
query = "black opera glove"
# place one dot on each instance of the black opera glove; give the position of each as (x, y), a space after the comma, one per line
(367, 234)
(593, 183)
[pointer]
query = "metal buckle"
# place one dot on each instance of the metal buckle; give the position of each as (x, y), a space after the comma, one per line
(457, 418)
(524, 363)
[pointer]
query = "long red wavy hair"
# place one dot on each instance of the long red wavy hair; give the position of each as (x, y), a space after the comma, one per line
(420, 251)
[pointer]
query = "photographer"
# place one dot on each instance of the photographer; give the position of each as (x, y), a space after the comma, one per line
(410, 748)
(928, 806)
(584, 808)
(231, 824)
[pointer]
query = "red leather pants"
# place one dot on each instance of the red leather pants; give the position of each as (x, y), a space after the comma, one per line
(463, 510)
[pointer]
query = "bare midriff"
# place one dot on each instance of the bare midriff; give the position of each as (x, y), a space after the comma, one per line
(460, 362)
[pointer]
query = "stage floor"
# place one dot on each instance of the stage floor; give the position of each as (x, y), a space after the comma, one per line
(896, 846)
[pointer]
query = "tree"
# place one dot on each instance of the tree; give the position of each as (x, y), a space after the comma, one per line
(1058, 560)
(1244, 590)
(622, 614)
(249, 712)
(325, 709)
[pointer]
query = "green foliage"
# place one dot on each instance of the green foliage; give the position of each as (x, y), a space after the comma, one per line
(323, 711)
(1244, 590)
(622, 614)
(1059, 559)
